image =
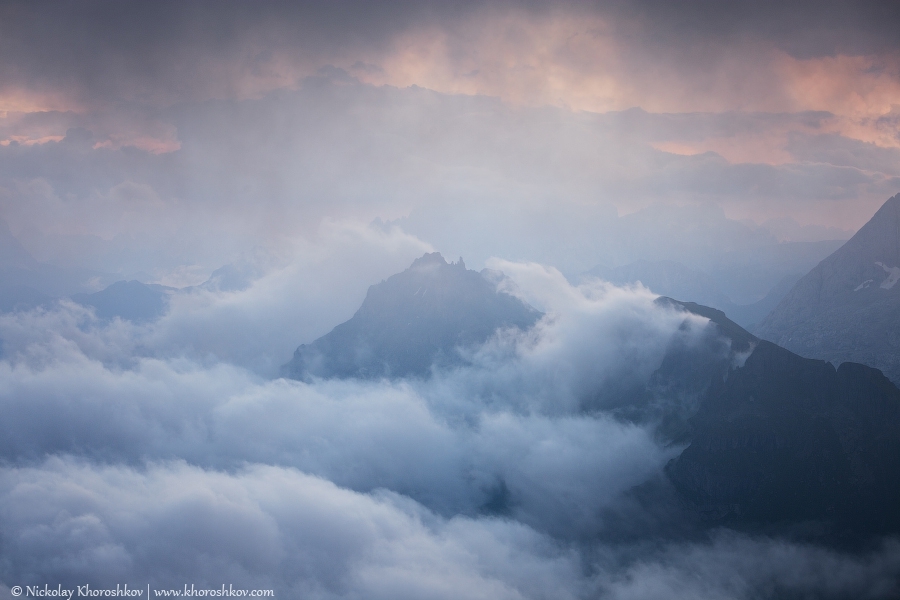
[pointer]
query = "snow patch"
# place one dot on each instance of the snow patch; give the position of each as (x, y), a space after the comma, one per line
(864, 284)
(893, 275)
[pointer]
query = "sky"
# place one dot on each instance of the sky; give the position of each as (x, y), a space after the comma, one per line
(315, 149)
(221, 127)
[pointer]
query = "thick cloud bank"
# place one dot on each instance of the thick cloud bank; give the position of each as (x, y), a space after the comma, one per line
(270, 527)
(162, 454)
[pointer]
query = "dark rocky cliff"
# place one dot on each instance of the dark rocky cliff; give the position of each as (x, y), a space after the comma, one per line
(785, 439)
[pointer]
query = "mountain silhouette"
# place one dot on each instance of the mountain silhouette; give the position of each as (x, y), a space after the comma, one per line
(786, 440)
(772, 441)
(412, 321)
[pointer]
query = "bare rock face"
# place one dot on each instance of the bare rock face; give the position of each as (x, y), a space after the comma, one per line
(848, 307)
(786, 439)
(412, 321)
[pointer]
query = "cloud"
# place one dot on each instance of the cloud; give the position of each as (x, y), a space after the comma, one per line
(167, 51)
(734, 566)
(115, 69)
(129, 457)
(72, 523)
(260, 528)
(595, 340)
(471, 176)
(842, 151)
(119, 392)
(314, 284)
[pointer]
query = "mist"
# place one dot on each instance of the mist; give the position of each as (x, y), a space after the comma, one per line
(257, 171)
(495, 478)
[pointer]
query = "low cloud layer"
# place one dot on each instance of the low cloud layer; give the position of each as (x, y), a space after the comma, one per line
(273, 528)
(130, 457)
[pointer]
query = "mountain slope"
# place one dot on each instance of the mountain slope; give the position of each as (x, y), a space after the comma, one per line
(782, 443)
(688, 369)
(411, 321)
(848, 307)
(786, 439)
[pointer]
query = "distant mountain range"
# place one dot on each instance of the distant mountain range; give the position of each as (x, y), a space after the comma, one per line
(143, 302)
(26, 283)
(848, 307)
(413, 320)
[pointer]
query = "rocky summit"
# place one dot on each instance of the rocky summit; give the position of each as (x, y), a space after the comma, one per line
(848, 307)
(412, 321)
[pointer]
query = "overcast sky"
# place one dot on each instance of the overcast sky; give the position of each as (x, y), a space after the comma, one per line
(766, 109)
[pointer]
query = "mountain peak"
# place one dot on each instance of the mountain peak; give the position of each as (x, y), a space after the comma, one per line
(412, 321)
(428, 260)
(879, 239)
(848, 307)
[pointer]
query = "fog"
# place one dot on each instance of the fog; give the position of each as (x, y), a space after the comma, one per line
(470, 176)
(154, 453)
(269, 165)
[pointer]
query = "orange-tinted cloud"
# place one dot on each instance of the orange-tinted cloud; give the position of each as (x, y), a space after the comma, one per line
(583, 62)
(568, 57)
(560, 60)
(22, 100)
